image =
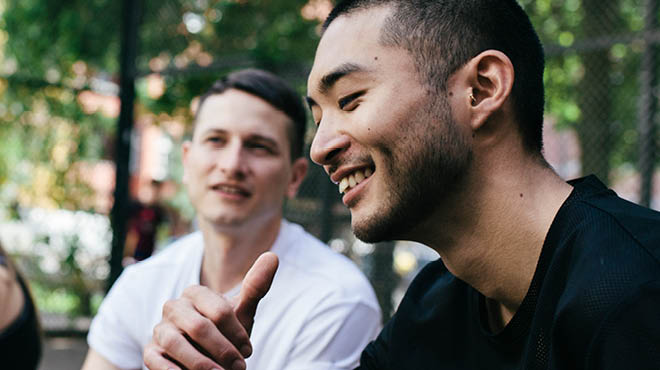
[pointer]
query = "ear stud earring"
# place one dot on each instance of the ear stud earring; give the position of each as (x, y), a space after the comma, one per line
(473, 100)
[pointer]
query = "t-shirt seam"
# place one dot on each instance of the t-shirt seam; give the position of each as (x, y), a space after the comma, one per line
(627, 231)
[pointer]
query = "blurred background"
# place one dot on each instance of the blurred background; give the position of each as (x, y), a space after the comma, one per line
(96, 96)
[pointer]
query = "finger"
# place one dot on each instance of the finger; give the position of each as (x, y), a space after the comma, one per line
(204, 336)
(155, 359)
(179, 349)
(255, 286)
(221, 312)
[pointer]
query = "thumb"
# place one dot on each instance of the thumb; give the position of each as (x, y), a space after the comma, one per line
(255, 286)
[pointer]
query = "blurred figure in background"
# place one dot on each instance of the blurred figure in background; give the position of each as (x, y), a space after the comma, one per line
(20, 337)
(147, 214)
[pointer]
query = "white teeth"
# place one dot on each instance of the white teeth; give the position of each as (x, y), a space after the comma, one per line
(353, 179)
(229, 189)
(343, 184)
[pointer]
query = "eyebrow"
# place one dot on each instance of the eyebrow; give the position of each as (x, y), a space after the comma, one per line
(258, 137)
(249, 137)
(330, 79)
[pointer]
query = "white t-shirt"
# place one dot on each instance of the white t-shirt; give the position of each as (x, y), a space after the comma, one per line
(319, 313)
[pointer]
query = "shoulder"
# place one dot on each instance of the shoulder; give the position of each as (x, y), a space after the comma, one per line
(606, 251)
(596, 234)
(308, 261)
(11, 297)
(433, 295)
(183, 249)
(612, 247)
(604, 216)
(165, 270)
(433, 291)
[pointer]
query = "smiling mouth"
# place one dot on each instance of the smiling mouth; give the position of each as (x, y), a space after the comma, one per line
(233, 190)
(353, 179)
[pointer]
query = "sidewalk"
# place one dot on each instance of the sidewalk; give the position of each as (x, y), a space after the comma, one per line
(63, 353)
(65, 347)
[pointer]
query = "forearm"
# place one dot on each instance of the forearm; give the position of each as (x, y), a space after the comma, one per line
(95, 361)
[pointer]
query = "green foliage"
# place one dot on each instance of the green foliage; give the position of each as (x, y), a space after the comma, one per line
(270, 34)
(578, 36)
(54, 54)
(46, 37)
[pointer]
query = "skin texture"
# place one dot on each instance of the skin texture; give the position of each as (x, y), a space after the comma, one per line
(392, 139)
(233, 147)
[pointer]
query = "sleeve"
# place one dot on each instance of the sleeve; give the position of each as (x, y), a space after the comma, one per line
(112, 332)
(333, 337)
(630, 336)
(374, 357)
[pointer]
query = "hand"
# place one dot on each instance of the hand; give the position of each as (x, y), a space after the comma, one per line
(204, 330)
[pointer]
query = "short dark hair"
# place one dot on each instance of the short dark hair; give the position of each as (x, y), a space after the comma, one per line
(275, 91)
(443, 35)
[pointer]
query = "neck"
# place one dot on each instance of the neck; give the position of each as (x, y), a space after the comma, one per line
(493, 235)
(229, 252)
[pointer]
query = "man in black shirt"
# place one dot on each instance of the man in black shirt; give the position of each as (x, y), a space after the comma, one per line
(429, 116)
(592, 302)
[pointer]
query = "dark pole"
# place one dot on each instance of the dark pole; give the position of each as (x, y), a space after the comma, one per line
(327, 218)
(382, 276)
(129, 42)
(648, 103)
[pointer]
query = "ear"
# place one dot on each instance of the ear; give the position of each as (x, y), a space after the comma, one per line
(185, 149)
(488, 80)
(298, 172)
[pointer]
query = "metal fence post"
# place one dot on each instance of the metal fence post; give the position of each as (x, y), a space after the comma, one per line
(129, 43)
(648, 103)
(382, 276)
(327, 219)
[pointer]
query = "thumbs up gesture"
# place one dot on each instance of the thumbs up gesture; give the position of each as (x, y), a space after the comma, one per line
(204, 330)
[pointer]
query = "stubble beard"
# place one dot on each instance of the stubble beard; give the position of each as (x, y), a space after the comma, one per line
(424, 169)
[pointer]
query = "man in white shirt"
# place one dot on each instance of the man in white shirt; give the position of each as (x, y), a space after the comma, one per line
(244, 159)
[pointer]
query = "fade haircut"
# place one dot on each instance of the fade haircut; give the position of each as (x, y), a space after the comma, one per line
(443, 35)
(272, 89)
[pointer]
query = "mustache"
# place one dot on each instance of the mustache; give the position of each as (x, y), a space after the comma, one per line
(351, 160)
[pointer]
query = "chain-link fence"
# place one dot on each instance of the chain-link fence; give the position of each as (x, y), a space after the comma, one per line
(62, 107)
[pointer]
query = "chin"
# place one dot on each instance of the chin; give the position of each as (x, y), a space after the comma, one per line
(392, 221)
(227, 220)
(373, 229)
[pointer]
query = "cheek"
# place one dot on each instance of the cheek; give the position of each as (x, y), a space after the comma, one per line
(270, 175)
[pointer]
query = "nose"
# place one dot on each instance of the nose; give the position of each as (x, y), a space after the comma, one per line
(231, 160)
(328, 144)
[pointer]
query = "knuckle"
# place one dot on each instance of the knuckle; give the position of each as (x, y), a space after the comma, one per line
(198, 327)
(169, 308)
(168, 341)
(191, 291)
(157, 332)
(221, 313)
(201, 364)
(149, 354)
(226, 355)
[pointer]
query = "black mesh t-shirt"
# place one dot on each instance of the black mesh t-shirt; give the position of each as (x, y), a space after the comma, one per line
(594, 301)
